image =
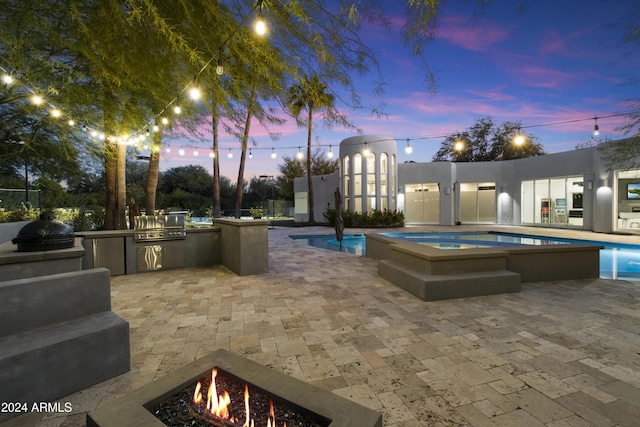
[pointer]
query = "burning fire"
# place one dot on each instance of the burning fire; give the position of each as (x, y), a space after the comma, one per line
(218, 405)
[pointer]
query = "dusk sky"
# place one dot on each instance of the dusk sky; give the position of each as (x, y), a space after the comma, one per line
(558, 61)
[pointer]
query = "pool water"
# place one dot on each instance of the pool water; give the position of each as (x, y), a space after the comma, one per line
(617, 260)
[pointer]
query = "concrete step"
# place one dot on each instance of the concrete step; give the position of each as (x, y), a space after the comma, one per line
(430, 287)
(46, 363)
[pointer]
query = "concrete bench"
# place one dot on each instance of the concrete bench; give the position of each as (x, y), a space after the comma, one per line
(58, 335)
(433, 274)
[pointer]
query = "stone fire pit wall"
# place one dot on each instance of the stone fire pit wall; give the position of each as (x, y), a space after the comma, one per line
(129, 410)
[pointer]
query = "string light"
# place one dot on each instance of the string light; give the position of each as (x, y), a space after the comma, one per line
(55, 112)
(250, 154)
(181, 151)
(230, 154)
(408, 148)
(519, 139)
(37, 100)
(458, 146)
(195, 152)
(219, 67)
(212, 154)
(273, 153)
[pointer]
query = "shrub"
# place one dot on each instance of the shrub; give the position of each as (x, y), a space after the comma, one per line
(373, 219)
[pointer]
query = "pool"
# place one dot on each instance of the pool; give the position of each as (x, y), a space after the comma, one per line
(617, 260)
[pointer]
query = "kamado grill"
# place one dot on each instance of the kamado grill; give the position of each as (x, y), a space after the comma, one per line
(159, 241)
(44, 235)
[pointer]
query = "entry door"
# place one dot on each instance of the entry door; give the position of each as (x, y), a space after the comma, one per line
(422, 203)
(477, 202)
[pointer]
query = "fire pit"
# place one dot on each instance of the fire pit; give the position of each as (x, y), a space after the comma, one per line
(321, 406)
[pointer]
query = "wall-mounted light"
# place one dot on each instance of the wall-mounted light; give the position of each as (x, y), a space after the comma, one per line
(366, 151)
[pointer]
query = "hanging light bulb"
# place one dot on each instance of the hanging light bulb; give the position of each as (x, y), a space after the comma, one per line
(195, 152)
(165, 121)
(181, 151)
(519, 139)
(596, 128)
(261, 26)
(56, 113)
(366, 151)
(156, 128)
(219, 67)
(230, 154)
(299, 155)
(408, 149)
(458, 146)
(212, 154)
(330, 153)
(177, 109)
(194, 92)
(167, 150)
(273, 153)
(71, 122)
(250, 154)
(37, 99)
(7, 79)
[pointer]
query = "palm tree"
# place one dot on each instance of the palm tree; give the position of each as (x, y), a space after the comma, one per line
(311, 95)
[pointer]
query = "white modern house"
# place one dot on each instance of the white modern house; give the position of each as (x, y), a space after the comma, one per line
(575, 189)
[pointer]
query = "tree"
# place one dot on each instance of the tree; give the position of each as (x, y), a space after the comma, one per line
(486, 141)
(294, 168)
(311, 95)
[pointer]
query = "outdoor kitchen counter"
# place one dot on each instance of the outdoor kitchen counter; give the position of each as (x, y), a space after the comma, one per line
(116, 249)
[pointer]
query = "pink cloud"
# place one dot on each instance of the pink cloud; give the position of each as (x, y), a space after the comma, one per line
(479, 38)
(538, 76)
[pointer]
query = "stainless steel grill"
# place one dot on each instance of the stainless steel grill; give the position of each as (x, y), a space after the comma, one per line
(158, 227)
(159, 242)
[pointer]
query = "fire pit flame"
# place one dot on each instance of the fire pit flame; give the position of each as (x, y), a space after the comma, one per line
(218, 405)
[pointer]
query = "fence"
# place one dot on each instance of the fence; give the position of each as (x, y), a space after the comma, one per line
(13, 199)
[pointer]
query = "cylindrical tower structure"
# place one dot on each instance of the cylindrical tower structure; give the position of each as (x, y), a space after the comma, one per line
(368, 171)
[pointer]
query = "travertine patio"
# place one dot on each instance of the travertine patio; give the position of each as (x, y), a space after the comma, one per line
(556, 354)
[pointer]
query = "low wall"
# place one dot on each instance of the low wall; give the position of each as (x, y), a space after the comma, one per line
(58, 335)
(20, 265)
